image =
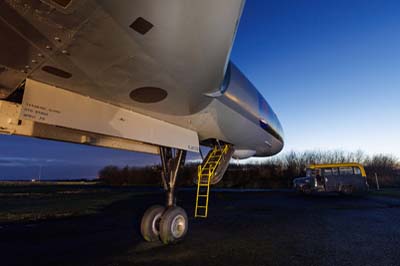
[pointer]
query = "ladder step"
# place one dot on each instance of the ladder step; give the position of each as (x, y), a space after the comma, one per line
(206, 172)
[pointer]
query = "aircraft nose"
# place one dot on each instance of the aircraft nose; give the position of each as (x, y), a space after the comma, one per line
(270, 123)
(280, 130)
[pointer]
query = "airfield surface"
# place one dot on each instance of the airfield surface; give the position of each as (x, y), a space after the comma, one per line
(91, 225)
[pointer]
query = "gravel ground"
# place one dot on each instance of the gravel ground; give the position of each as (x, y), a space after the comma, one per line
(243, 228)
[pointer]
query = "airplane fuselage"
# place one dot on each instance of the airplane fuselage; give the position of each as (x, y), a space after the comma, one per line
(94, 49)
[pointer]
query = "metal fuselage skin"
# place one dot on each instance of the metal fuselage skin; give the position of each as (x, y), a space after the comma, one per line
(206, 93)
(240, 115)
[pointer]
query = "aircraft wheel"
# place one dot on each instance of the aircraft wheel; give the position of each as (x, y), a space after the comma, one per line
(173, 225)
(150, 225)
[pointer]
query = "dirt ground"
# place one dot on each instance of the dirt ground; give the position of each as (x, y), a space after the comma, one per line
(243, 228)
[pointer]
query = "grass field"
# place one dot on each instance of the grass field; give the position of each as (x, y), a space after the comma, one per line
(26, 201)
(21, 201)
(390, 192)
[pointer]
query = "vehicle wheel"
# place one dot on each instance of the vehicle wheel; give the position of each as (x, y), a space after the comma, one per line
(347, 190)
(150, 225)
(307, 191)
(173, 225)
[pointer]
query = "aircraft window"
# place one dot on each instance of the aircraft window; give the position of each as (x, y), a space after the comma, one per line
(335, 171)
(312, 172)
(346, 170)
(357, 171)
(268, 120)
(328, 171)
(308, 173)
(264, 125)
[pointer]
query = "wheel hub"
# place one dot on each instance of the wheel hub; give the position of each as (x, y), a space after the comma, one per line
(178, 226)
(155, 226)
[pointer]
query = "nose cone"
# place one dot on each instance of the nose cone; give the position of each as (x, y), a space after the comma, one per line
(280, 130)
(274, 128)
(269, 121)
(282, 136)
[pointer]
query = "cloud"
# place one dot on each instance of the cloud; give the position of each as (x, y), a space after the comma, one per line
(28, 162)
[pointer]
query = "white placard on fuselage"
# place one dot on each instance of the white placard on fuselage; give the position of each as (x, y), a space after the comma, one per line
(51, 105)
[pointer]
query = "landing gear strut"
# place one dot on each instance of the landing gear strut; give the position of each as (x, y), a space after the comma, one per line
(169, 223)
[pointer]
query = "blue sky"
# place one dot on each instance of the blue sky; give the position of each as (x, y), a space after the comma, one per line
(330, 69)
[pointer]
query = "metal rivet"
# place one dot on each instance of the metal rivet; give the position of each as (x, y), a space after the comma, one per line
(48, 47)
(40, 55)
(57, 39)
(27, 67)
(34, 61)
(64, 52)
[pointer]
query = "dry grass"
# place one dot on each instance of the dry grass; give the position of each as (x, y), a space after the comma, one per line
(28, 202)
(395, 193)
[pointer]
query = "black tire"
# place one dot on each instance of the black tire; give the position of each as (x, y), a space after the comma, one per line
(173, 225)
(347, 190)
(150, 225)
(306, 190)
(298, 191)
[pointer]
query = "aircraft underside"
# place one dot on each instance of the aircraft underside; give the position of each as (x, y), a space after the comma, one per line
(147, 76)
(48, 120)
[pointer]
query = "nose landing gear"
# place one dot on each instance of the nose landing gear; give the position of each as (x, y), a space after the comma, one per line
(168, 224)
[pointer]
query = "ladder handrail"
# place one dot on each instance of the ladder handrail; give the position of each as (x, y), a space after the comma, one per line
(223, 151)
(201, 173)
(214, 150)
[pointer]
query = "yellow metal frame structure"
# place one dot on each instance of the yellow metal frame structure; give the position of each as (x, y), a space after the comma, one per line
(334, 165)
(205, 172)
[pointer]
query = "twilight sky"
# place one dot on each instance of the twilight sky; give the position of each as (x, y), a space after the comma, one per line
(329, 68)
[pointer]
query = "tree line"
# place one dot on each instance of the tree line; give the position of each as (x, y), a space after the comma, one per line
(275, 172)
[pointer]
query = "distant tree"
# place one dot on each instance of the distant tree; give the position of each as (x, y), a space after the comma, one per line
(274, 172)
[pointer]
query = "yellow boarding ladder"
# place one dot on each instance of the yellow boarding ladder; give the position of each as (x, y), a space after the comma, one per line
(205, 173)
